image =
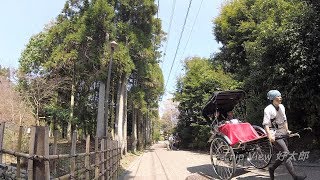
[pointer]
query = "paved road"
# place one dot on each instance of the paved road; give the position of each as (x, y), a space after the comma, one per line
(158, 163)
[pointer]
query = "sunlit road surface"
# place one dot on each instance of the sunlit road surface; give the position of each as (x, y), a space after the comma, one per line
(158, 163)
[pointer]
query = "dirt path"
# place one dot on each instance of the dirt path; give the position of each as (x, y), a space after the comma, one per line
(158, 163)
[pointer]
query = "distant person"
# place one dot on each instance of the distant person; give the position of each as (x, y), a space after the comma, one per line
(276, 126)
(217, 117)
(230, 117)
(177, 140)
(171, 141)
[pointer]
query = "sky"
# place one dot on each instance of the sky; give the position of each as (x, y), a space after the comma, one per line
(22, 19)
(197, 38)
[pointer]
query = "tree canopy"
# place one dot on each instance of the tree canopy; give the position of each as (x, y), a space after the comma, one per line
(273, 45)
(74, 53)
(201, 79)
(265, 45)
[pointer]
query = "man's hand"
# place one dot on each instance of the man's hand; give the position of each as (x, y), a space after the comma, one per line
(270, 134)
(289, 132)
(271, 138)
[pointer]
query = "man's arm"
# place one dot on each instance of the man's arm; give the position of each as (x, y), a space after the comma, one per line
(269, 134)
(286, 127)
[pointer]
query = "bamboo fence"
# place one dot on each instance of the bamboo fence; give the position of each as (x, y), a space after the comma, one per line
(43, 166)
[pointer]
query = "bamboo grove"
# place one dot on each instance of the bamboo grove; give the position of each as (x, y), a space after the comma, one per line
(63, 70)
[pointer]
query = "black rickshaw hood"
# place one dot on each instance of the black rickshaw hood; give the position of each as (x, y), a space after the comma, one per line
(222, 101)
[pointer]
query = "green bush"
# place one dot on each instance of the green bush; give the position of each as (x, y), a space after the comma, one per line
(157, 136)
(194, 136)
(201, 134)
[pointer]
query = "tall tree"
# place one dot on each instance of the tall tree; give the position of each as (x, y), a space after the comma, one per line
(76, 48)
(277, 41)
(137, 26)
(13, 109)
(194, 88)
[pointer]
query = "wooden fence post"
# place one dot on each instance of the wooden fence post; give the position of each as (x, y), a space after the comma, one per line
(73, 152)
(39, 145)
(113, 158)
(119, 155)
(116, 150)
(96, 148)
(110, 158)
(19, 149)
(102, 158)
(31, 152)
(55, 150)
(46, 153)
(87, 158)
(2, 125)
(106, 158)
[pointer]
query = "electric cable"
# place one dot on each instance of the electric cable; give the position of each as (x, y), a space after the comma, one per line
(169, 29)
(194, 22)
(183, 27)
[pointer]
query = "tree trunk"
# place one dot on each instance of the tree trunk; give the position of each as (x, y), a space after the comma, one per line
(145, 130)
(119, 114)
(71, 112)
(151, 131)
(37, 116)
(119, 124)
(107, 104)
(101, 125)
(134, 129)
(148, 127)
(125, 119)
(140, 130)
(112, 115)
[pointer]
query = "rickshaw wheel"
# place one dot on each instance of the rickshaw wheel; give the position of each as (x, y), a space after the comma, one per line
(222, 158)
(260, 154)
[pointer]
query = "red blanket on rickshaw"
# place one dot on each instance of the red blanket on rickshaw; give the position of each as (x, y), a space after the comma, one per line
(240, 132)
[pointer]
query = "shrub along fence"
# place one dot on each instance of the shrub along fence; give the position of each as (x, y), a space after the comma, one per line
(101, 162)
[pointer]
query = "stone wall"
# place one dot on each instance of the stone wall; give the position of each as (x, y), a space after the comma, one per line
(9, 172)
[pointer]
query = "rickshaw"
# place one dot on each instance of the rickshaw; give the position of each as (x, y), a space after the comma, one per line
(235, 140)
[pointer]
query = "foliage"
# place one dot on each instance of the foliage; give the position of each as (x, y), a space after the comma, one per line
(138, 27)
(201, 79)
(200, 136)
(4, 72)
(10, 140)
(166, 126)
(194, 136)
(194, 89)
(273, 45)
(75, 51)
(156, 130)
(12, 108)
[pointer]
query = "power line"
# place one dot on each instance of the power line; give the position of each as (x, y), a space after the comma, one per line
(184, 24)
(158, 9)
(169, 29)
(192, 28)
(194, 22)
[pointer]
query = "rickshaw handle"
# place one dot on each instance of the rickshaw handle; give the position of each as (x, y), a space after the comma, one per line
(294, 134)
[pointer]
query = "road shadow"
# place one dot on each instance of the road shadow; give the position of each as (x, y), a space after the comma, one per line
(149, 150)
(253, 177)
(207, 171)
(204, 170)
(126, 175)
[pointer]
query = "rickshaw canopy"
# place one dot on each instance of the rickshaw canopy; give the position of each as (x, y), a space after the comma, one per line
(222, 101)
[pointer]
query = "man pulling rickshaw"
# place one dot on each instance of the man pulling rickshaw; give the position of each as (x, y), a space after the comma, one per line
(233, 138)
(276, 125)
